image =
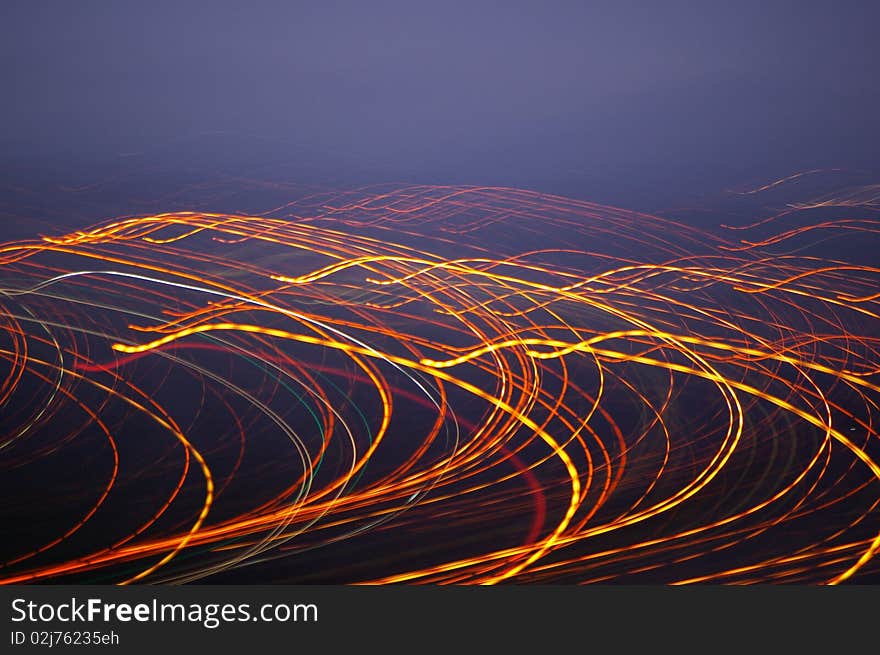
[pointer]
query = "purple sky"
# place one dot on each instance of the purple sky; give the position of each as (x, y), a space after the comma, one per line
(452, 90)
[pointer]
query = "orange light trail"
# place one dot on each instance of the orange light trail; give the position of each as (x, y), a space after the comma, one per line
(385, 386)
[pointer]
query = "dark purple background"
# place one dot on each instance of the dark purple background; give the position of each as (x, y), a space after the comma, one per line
(570, 96)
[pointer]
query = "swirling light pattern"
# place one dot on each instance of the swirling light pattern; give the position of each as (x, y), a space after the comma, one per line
(385, 386)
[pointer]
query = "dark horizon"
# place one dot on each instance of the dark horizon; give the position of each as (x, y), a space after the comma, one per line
(569, 96)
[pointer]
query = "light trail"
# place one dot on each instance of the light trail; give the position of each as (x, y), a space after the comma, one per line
(385, 385)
